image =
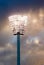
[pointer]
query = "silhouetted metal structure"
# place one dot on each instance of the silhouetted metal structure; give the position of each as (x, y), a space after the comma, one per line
(18, 47)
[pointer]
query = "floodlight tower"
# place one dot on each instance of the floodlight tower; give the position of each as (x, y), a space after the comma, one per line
(17, 24)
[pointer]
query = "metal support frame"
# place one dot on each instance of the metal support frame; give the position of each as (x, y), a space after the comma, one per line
(18, 47)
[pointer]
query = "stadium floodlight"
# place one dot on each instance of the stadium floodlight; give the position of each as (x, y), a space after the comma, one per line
(17, 24)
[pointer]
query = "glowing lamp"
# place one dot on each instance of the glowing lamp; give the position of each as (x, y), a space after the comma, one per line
(17, 22)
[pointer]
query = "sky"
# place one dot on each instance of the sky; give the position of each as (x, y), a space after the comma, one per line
(32, 42)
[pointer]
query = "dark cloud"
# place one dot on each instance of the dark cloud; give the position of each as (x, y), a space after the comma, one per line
(7, 6)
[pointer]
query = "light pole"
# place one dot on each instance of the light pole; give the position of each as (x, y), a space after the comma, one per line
(17, 23)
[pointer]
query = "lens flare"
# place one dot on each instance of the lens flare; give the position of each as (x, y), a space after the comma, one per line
(36, 41)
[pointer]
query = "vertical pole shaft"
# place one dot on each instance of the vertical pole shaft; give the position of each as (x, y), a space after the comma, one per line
(18, 49)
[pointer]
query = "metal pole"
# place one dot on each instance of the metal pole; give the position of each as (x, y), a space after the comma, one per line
(18, 48)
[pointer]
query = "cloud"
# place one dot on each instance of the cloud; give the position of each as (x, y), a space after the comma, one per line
(32, 42)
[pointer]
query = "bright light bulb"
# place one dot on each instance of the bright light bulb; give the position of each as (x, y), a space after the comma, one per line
(16, 21)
